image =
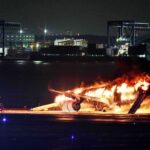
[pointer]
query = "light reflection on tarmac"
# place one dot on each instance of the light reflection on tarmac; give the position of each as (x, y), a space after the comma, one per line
(83, 116)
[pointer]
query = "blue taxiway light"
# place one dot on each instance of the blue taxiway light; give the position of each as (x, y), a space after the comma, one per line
(4, 119)
(72, 137)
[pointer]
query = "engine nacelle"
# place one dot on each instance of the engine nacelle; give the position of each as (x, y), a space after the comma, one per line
(71, 106)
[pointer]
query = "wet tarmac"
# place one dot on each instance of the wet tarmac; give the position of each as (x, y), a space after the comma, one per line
(61, 131)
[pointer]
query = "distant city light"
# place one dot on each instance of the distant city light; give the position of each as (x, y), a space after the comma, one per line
(21, 31)
(37, 62)
(20, 62)
(37, 45)
(45, 30)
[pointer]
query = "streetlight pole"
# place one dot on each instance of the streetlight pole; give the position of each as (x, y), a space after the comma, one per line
(45, 32)
(21, 32)
(3, 40)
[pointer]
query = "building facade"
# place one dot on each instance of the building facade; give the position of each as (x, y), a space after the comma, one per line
(71, 42)
(18, 40)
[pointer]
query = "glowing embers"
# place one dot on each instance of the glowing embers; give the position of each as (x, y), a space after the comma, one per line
(126, 92)
(115, 96)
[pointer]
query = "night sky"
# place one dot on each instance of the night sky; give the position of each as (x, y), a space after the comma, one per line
(78, 16)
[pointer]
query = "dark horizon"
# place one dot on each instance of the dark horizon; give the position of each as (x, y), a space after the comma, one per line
(80, 16)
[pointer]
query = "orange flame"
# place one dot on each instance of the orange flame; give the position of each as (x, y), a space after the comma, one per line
(119, 94)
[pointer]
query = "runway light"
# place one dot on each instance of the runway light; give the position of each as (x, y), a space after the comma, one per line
(4, 119)
(72, 137)
(134, 123)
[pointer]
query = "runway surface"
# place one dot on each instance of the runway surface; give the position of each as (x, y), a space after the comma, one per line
(82, 116)
(28, 130)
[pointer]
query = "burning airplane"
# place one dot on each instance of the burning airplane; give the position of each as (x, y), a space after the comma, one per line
(127, 94)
